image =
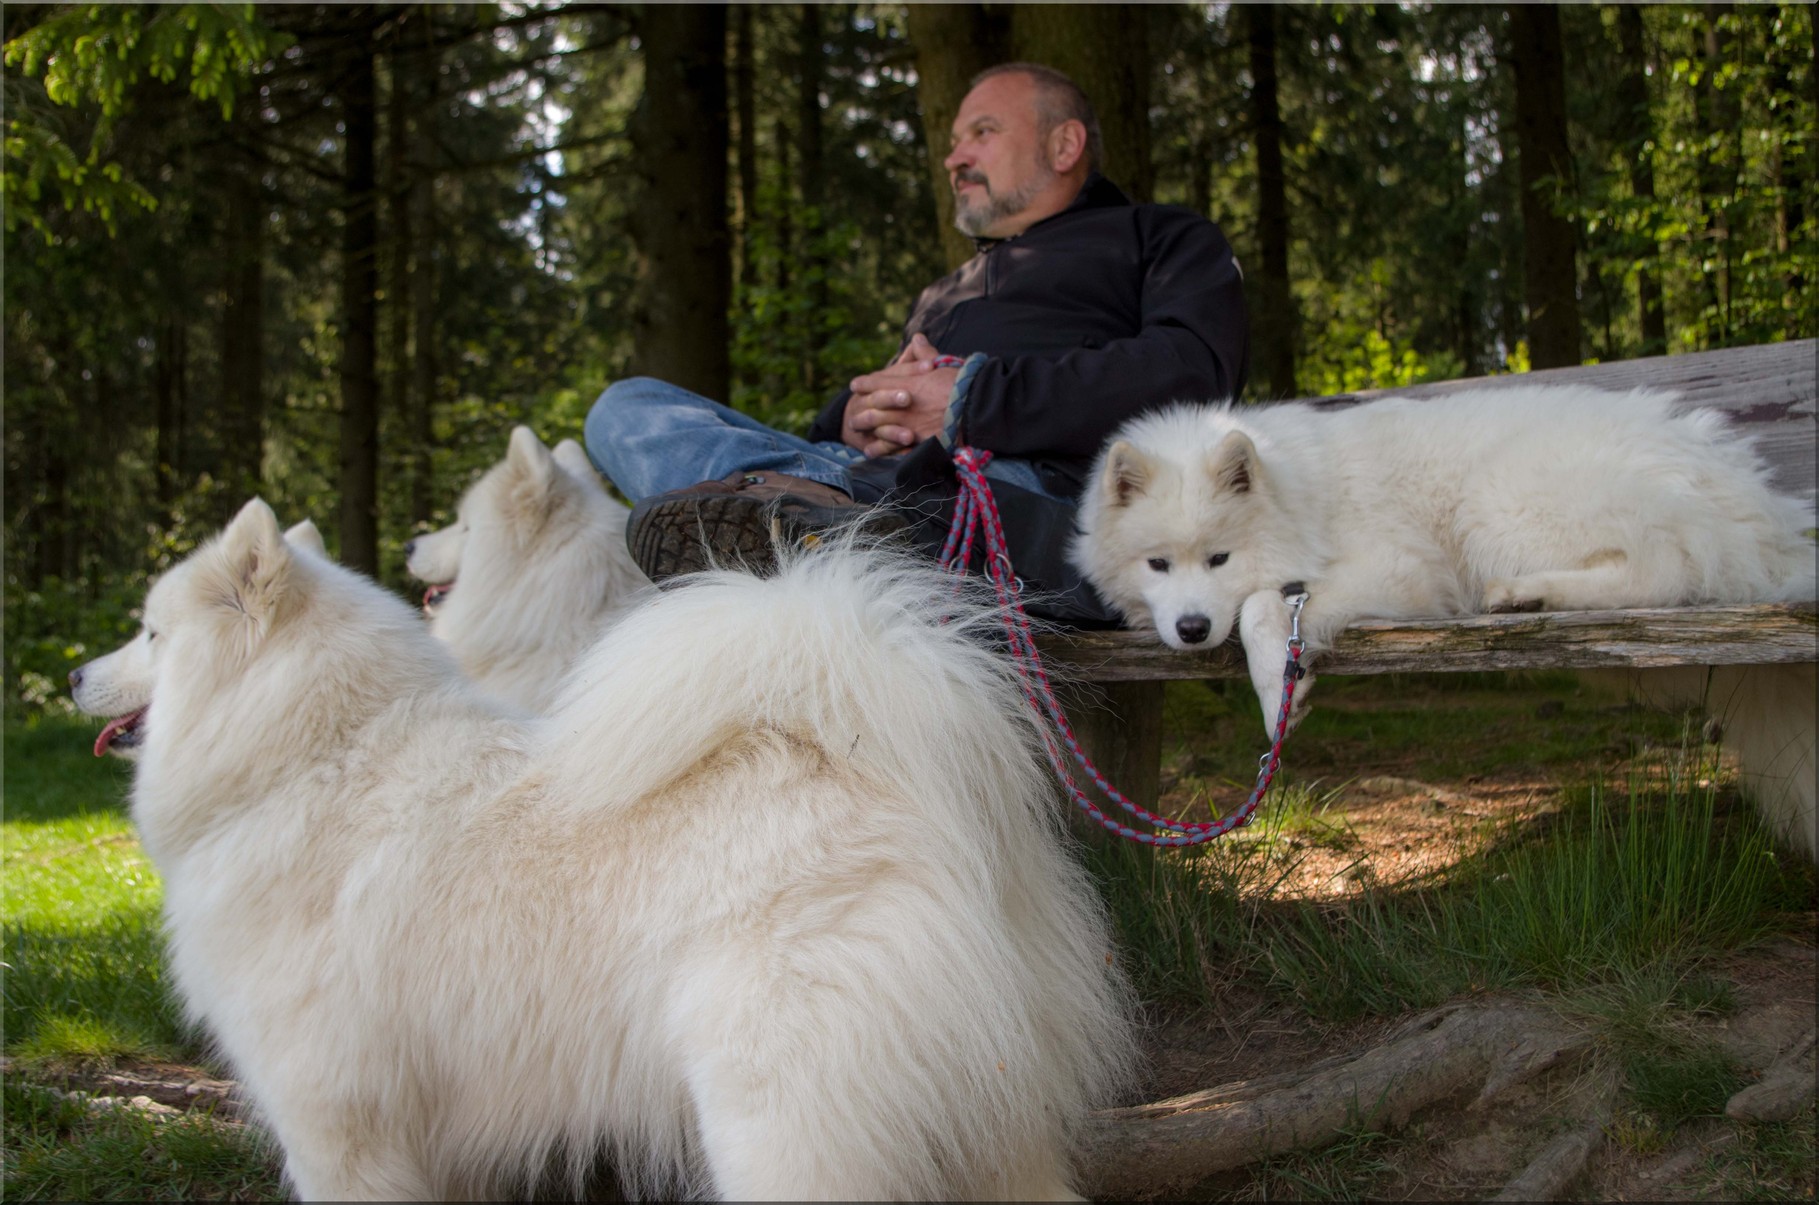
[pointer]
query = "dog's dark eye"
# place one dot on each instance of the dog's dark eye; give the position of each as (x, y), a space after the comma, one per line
(1218, 559)
(1159, 564)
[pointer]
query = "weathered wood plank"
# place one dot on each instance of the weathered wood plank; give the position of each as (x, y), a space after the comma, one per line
(1768, 390)
(1769, 632)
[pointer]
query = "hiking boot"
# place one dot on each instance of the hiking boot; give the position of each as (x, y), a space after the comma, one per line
(739, 522)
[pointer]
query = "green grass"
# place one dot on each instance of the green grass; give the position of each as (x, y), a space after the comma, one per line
(55, 1150)
(1768, 1161)
(84, 967)
(1660, 873)
(1430, 726)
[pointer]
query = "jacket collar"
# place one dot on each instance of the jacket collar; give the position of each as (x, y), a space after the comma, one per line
(1096, 193)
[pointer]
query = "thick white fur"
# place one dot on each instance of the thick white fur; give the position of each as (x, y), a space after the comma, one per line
(772, 904)
(539, 549)
(1564, 497)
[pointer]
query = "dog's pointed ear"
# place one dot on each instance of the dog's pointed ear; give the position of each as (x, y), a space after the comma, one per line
(257, 561)
(530, 460)
(306, 535)
(1233, 465)
(574, 461)
(1126, 474)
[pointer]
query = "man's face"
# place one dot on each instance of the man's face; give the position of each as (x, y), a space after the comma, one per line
(999, 163)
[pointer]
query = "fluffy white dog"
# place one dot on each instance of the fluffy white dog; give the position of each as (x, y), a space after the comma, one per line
(1536, 498)
(538, 547)
(772, 904)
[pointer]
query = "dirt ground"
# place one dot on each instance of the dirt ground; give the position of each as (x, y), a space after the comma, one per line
(1395, 829)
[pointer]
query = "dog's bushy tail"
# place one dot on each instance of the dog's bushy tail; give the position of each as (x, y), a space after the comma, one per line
(887, 673)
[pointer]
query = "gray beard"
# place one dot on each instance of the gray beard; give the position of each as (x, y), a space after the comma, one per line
(972, 220)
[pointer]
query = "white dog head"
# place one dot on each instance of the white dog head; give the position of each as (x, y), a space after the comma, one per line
(504, 512)
(118, 686)
(241, 573)
(1167, 526)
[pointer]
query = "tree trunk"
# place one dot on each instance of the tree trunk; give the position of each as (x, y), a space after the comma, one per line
(1105, 49)
(679, 312)
(811, 177)
(1716, 112)
(954, 42)
(398, 239)
(169, 372)
(1639, 134)
(1549, 259)
(1275, 324)
(359, 279)
(422, 166)
(745, 110)
(243, 331)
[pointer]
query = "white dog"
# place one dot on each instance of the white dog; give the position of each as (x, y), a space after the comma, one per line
(772, 904)
(539, 549)
(1544, 497)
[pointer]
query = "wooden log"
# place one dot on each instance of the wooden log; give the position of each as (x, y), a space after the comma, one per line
(1738, 635)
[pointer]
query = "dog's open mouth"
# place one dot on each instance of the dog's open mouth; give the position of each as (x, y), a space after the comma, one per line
(122, 733)
(432, 597)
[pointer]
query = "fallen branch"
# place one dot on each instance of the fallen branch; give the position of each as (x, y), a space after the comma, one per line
(1451, 1053)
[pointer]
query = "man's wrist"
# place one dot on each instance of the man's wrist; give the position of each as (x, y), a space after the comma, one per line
(949, 434)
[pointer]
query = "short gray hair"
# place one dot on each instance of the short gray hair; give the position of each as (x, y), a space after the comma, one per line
(1058, 99)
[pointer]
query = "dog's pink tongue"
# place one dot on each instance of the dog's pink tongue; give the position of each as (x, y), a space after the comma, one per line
(115, 727)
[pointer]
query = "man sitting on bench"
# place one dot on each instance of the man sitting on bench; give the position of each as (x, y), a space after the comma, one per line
(1080, 310)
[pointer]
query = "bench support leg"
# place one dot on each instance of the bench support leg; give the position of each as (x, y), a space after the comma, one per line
(1120, 727)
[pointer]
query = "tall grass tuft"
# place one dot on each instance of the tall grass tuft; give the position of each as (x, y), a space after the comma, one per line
(1658, 875)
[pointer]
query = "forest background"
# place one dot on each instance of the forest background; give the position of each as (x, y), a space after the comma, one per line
(331, 254)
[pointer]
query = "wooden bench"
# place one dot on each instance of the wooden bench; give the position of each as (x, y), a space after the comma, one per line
(1768, 390)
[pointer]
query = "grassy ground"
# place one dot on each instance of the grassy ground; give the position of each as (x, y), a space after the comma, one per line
(1617, 887)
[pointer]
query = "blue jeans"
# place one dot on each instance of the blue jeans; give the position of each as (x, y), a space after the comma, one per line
(649, 437)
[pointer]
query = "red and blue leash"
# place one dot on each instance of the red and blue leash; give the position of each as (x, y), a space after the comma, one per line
(976, 517)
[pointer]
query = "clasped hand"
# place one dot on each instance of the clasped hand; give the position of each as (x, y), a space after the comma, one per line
(901, 404)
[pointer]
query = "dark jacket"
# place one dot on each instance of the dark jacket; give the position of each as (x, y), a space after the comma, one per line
(1085, 319)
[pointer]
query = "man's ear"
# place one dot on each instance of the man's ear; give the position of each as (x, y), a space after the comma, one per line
(1066, 146)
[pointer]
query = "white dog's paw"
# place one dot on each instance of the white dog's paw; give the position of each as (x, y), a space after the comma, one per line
(1503, 595)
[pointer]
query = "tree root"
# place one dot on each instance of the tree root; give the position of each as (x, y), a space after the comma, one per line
(1783, 1091)
(1561, 1161)
(1171, 1145)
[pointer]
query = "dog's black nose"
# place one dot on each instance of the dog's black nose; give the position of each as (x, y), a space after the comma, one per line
(410, 546)
(75, 679)
(1193, 628)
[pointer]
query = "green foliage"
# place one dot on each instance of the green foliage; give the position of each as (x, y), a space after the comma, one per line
(95, 56)
(137, 133)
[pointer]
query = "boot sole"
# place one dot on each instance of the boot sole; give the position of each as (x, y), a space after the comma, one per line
(669, 537)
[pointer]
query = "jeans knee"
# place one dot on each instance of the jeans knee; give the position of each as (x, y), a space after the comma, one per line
(612, 411)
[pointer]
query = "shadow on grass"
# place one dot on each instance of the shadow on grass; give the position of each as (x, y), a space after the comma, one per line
(1662, 875)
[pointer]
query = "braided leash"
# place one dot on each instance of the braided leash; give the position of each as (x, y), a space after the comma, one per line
(976, 514)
